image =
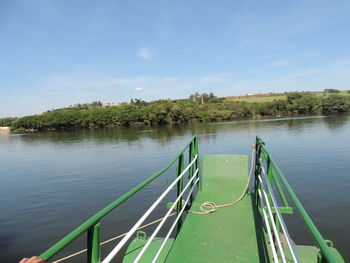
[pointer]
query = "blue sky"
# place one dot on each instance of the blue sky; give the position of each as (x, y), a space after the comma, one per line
(55, 53)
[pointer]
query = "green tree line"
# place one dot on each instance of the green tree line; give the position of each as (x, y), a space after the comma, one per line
(139, 112)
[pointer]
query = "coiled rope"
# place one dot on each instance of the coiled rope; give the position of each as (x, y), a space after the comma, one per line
(111, 239)
(210, 207)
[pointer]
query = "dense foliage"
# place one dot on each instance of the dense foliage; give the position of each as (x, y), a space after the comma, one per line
(7, 122)
(139, 112)
(331, 91)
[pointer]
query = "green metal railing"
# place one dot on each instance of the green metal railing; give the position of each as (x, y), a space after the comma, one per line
(92, 225)
(276, 177)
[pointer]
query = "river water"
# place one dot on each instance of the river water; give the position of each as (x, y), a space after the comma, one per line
(53, 181)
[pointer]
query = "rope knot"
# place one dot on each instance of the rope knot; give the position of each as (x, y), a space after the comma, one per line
(208, 207)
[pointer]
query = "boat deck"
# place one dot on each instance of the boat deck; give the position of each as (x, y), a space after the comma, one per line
(229, 234)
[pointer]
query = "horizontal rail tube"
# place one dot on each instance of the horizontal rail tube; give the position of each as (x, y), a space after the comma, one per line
(283, 226)
(48, 254)
(174, 224)
(164, 219)
(273, 224)
(326, 251)
(268, 229)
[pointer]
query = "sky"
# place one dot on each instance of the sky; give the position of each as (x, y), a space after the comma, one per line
(56, 53)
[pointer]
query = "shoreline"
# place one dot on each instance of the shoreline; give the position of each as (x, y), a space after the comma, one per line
(135, 125)
(5, 130)
(174, 112)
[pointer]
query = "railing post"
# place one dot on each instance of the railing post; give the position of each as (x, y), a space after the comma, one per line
(269, 174)
(257, 169)
(270, 177)
(93, 244)
(190, 172)
(277, 221)
(269, 169)
(196, 152)
(180, 168)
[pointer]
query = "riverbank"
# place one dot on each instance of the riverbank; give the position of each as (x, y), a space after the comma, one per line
(160, 112)
(138, 126)
(5, 130)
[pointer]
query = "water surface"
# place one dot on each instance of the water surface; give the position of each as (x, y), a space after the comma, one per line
(53, 181)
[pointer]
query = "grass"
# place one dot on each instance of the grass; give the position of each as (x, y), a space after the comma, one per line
(259, 99)
(283, 97)
(321, 93)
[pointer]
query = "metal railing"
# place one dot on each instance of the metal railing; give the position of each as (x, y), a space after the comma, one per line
(92, 225)
(132, 231)
(270, 220)
(271, 212)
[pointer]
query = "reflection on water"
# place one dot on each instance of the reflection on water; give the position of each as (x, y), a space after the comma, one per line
(164, 134)
(52, 181)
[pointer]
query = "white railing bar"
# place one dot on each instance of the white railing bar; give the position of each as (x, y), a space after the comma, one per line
(279, 244)
(283, 225)
(268, 229)
(174, 224)
(164, 219)
(114, 252)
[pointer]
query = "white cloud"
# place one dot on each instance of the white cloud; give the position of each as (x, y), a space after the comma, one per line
(145, 53)
(306, 73)
(111, 85)
(336, 75)
(169, 79)
(215, 78)
(138, 89)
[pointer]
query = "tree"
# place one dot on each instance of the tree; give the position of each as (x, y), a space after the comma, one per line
(332, 91)
(96, 104)
(7, 121)
(177, 111)
(293, 96)
(335, 103)
(195, 97)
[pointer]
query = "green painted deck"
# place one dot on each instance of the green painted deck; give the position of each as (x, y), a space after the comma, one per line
(137, 244)
(229, 234)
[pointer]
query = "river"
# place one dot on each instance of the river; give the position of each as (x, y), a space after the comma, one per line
(53, 181)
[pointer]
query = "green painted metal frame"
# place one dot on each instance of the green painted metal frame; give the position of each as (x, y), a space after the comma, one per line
(92, 225)
(276, 176)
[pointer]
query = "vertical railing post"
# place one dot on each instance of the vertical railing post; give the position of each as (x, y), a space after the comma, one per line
(269, 174)
(196, 152)
(93, 244)
(269, 178)
(277, 220)
(190, 175)
(269, 169)
(257, 169)
(180, 168)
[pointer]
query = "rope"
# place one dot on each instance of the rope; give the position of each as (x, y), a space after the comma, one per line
(210, 207)
(110, 240)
